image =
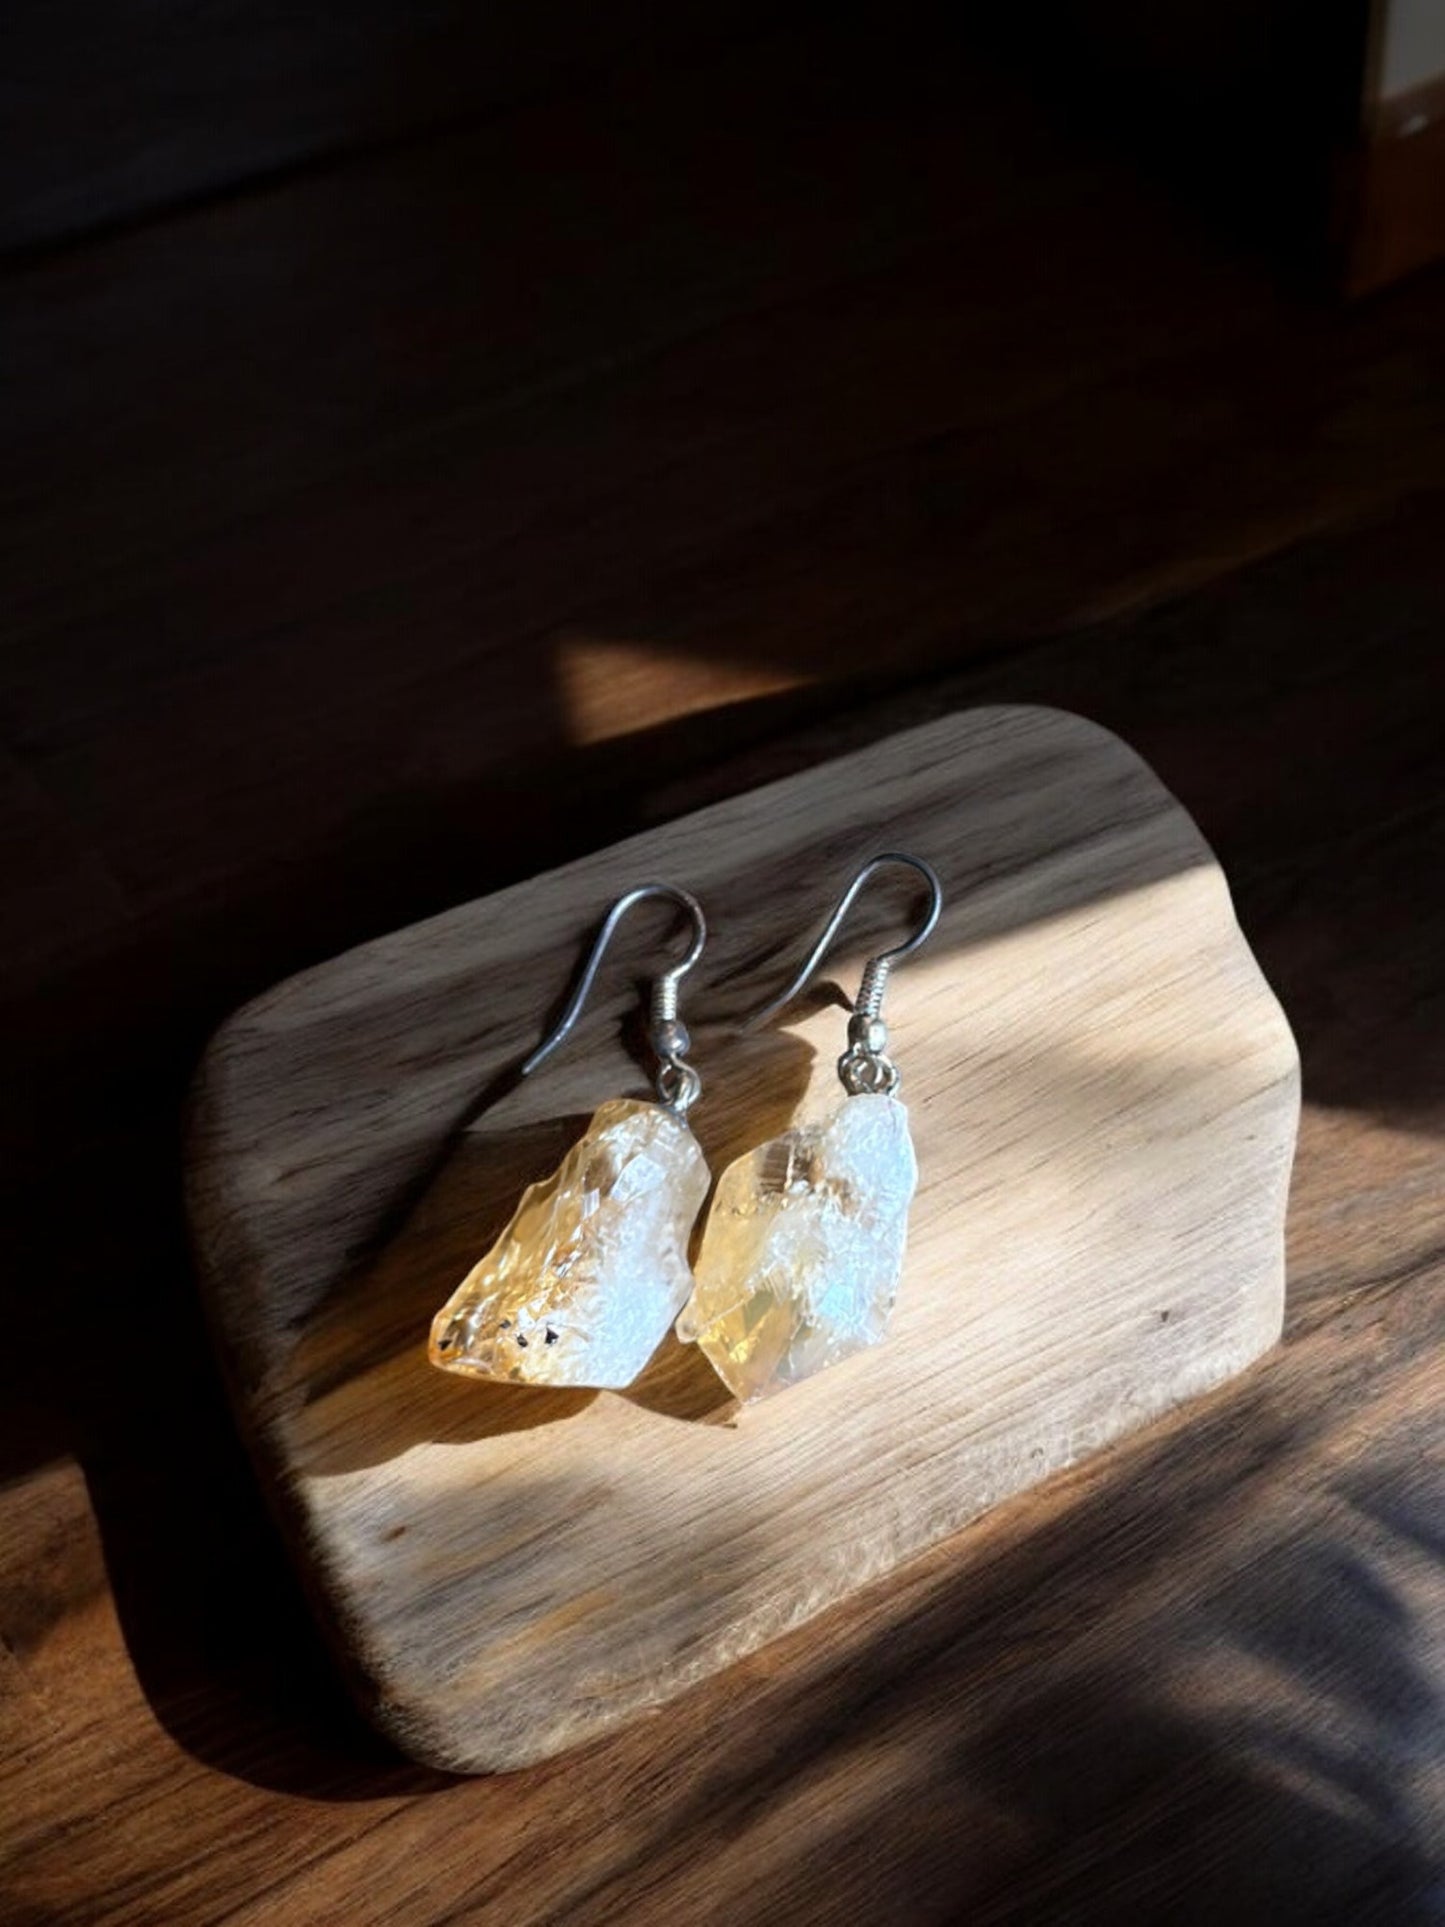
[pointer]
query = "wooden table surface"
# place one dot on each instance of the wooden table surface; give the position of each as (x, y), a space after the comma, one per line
(380, 532)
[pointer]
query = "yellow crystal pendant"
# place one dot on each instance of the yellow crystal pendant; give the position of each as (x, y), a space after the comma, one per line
(586, 1278)
(803, 1248)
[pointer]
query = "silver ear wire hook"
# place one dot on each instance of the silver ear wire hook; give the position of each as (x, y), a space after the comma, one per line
(678, 1084)
(864, 1066)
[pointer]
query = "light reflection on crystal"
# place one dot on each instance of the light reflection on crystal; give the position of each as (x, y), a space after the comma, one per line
(803, 1248)
(582, 1284)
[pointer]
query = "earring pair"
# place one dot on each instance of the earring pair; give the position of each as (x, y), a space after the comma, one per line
(803, 1244)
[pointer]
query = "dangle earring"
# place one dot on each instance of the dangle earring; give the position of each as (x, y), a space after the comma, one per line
(583, 1283)
(804, 1242)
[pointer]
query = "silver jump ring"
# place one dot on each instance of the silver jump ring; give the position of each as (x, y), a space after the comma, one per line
(677, 1084)
(867, 1074)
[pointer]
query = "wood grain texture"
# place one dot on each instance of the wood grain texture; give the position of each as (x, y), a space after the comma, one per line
(1104, 1095)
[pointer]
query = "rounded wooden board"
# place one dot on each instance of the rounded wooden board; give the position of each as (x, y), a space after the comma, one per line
(1104, 1095)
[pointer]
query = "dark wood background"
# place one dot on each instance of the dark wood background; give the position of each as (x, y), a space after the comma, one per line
(436, 444)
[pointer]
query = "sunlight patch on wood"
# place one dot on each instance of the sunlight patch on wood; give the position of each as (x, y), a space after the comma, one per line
(615, 688)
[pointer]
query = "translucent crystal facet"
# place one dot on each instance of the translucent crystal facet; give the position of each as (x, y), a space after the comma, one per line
(803, 1247)
(591, 1270)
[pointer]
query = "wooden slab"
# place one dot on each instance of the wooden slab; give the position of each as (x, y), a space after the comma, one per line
(1105, 1097)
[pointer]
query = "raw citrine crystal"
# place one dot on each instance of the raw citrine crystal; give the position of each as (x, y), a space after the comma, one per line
(804, 1243)
(585, 1280)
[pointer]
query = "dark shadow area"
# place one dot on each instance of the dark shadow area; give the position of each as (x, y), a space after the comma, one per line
(1160, 87)
(100, 143)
